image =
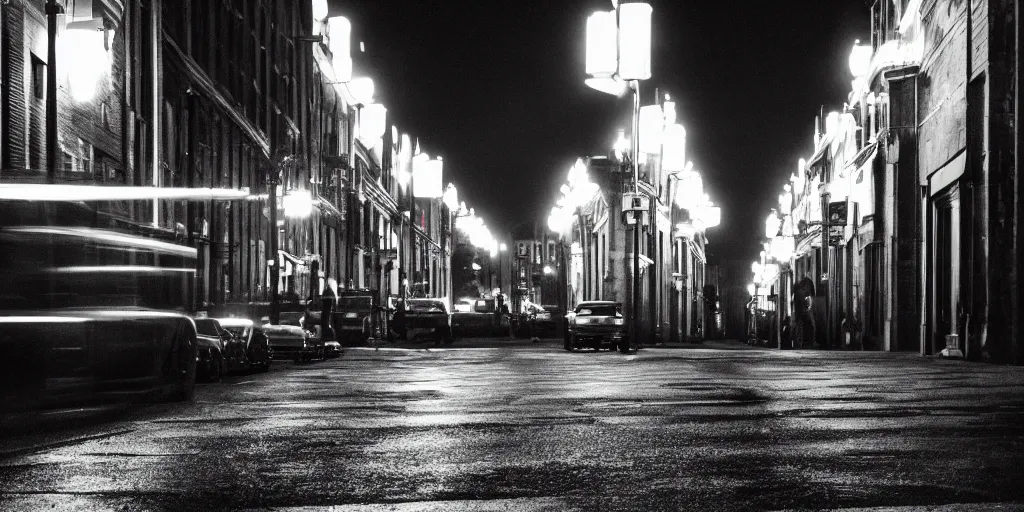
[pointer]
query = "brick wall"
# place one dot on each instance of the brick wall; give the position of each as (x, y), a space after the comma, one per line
(84, 132)
(942, 101)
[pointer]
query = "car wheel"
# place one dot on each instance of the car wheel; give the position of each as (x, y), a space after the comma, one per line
(624, 345)
(186, 388)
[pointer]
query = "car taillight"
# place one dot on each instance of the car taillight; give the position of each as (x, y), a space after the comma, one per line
(582, 320)
(614, 321)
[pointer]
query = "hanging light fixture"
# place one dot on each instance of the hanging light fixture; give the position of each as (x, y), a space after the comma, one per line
(362, 90)
(85, 53)
(602, 50)
(635, 41)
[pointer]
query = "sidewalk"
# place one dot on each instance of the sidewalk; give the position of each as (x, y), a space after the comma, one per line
(709, 345)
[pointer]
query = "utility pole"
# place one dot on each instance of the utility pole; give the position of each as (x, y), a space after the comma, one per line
(826, 244)
(52, 10)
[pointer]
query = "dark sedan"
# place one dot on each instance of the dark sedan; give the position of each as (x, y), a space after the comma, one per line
(427, 319)
(254, 345)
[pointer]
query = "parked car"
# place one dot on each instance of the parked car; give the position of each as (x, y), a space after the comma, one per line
(549, 319)
(210, 366)
(332, 349)
(226, 352)
(597, 325)
(427, 318)
(292, 341)
(482, 317)
(352, 317)
(253, 342)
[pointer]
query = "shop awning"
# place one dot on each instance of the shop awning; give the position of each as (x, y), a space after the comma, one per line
(819, 155)
(949, 173)
(332, 215)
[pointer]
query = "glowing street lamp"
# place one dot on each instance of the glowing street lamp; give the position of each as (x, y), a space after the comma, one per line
(652, 126)
(298, 204)
(339, 31)
(451, 198)
(860, 59)
(362, 90)
(772, 225)
(319, 10)
(635, 41)
(673, 158)
(621, 146)
(602, 49)
(85, 52)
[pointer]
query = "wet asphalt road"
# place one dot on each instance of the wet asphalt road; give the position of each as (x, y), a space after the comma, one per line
(522, 426)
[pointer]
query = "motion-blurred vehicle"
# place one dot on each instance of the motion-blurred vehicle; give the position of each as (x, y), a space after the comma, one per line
(427, 319)
(352, 317)
(254, 344)
(596, 325)
(89, 310)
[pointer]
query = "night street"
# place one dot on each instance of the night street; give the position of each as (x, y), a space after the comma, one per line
(512, 425)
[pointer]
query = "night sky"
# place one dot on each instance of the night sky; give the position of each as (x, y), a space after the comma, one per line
(496, 88)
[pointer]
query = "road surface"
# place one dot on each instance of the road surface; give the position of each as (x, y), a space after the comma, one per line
(514, 425)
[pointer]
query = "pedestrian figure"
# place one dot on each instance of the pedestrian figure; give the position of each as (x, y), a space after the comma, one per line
(803, 321)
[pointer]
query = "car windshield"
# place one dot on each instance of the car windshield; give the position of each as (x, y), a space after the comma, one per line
(598, 310)
(427, 307)
(354, 303)
(207, 327)
(291, 318)
(240, 331)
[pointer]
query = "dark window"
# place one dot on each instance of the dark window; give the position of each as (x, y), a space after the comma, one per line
(38, 78)
(67, 162)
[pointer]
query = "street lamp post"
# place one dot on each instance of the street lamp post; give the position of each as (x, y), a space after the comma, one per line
(52, 10)
(273, 181)
(608, 64)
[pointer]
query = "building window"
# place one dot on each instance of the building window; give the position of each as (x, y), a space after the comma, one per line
(38, 78)
(85, 153)
(105, 115)
(68, 162)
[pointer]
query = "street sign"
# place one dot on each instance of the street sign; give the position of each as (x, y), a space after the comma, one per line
(634, 202)
(837, 219)
(389, 254)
